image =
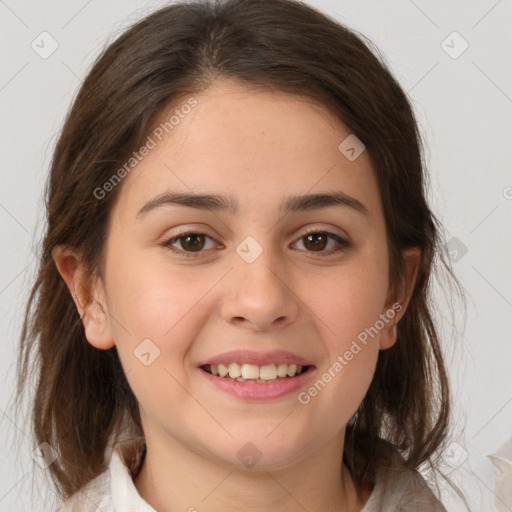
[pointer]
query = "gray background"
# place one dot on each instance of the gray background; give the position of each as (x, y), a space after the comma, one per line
(464, 108)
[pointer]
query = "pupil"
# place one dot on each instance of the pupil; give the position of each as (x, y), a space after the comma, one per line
(315, 243)
(194, 245)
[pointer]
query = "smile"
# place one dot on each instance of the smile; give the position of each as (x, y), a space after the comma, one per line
(263, 374)
(271, 382)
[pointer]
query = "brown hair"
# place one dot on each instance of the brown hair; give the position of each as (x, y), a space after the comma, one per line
(83, 401)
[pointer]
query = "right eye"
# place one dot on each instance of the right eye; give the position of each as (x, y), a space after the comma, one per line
(191, 242)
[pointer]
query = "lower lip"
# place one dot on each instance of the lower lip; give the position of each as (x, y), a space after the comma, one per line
(259, 391)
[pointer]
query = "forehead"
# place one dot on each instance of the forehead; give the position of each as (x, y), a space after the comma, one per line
(253, 145)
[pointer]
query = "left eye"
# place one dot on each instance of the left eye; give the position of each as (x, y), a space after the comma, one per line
(317, 241)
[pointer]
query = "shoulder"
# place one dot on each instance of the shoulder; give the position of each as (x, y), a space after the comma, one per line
(111, 491)
(93, 497)
(96, 495)
(402, 490)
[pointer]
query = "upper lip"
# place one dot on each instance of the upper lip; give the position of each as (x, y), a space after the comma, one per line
(258, 358)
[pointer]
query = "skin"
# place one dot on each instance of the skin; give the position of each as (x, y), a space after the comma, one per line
(258, 147)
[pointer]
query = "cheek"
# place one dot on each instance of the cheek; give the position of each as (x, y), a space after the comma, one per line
(148, 301)
(348, 304)
(348, 300)
(158, 315)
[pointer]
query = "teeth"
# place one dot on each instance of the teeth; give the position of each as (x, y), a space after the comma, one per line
(292, 370)
(268, 372)
(253, 372)
(235, 370)
(223, 370)
(250, 371)
(282, 370)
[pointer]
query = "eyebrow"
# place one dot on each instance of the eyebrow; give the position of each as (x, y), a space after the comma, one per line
(219, 202)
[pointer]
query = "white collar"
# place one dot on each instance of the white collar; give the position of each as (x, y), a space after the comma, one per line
(125, 496)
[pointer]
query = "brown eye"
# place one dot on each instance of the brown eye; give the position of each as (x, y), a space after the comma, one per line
(192, 242)
(316, 241)
(319, 241)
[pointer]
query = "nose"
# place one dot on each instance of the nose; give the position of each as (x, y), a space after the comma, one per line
(259, 296)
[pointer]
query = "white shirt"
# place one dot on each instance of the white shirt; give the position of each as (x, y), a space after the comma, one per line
(114, 491)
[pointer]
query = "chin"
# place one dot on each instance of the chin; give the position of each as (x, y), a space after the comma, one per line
(262, 453)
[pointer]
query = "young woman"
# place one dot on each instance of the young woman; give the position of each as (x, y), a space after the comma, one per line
(232, 307)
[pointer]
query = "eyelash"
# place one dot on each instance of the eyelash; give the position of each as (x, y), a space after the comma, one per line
(343, 244)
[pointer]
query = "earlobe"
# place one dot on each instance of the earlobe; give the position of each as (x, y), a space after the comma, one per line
(412, 259)
(388, 336)
(87, 292)
(97, 326)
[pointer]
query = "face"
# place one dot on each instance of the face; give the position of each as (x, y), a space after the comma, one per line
(279, 281)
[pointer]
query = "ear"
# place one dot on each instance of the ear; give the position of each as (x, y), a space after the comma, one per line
(397, 304)
(88, 294)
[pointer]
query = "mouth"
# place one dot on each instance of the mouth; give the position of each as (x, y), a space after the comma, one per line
(244, 381)
(256, 374)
